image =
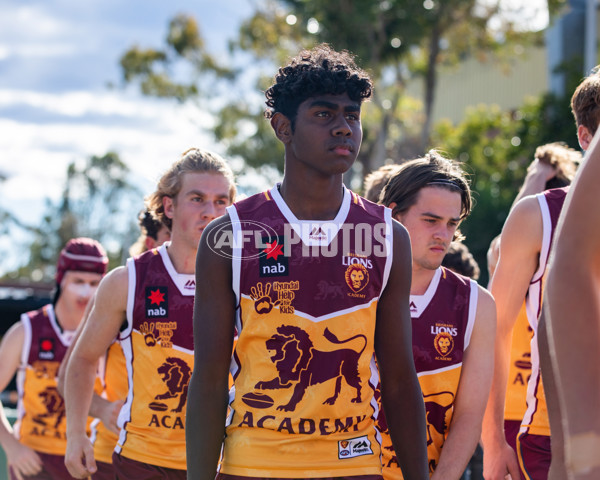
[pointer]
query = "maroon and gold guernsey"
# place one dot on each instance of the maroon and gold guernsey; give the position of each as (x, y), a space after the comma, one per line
(519, 369)
(442, 323)
(158, 348)
(535, 420)
(302, 404)
(41, 422)
(113, 376)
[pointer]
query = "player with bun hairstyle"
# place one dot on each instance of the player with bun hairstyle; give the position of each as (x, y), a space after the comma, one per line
(147, 305)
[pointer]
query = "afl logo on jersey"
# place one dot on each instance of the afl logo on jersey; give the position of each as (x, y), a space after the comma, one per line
(357, 277)
(157, 305)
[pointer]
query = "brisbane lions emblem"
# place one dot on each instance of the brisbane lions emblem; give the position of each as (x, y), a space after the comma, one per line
(300, 365)
(357, 277)
(443, 343)
(55, 407)
(176, 375)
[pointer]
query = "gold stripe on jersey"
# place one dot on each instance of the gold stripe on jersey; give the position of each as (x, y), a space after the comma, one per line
(520, 368)
(154, 432)
(115, 378)
(273, 413)
(439, 389)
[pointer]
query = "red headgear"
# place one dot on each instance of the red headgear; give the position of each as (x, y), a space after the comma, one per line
(81, 254)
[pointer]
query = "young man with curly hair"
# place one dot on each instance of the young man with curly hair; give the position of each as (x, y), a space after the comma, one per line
(453, 318)
(304, 374)
(148, 306)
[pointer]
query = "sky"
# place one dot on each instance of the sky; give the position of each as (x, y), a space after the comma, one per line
(57, 58)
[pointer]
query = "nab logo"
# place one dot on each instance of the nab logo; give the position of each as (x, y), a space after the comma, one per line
(157, 305)
(46, 351)
(272, 261)
(190, 285)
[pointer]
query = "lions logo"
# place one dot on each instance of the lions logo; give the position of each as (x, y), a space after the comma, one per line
(300, 365)
(357, 277)
(443, 343)
(55, 407)
(176, 375)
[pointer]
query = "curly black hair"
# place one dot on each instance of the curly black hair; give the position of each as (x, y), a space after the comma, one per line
(319, 71)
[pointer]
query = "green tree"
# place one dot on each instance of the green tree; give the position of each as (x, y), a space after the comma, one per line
(496, 147)
(98, 201)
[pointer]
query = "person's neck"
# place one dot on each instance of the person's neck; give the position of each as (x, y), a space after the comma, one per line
(313, 200)
(67, 319)
(421, 279)
(182, 257)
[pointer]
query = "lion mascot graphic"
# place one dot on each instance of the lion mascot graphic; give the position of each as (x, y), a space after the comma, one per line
(176, 375)
(55, 407)
(298, 362)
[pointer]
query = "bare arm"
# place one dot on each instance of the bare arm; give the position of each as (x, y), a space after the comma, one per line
(519, 251)
(99, 332)
(100, 408)
(573, 321)
(538, 174)
(214, 315)
(401, 394)
(21, 458)
(472, 395)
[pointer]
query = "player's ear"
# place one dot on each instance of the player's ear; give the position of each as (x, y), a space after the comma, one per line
(168, 204)
(282, 127)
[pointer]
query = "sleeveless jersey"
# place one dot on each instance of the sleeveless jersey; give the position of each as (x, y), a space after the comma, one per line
(113, 377)
(519, 369)
(41, 422)
(442, 323)
(535, 420)
(158, 348)
(304, 374)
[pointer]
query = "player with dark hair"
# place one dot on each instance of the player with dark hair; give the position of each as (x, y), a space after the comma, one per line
(303, 402)
(34, 347)
(460, 260)
(574, 344)
(377, 180)
(153, 233)
(453, 318)
(148, 306)
(520, 275)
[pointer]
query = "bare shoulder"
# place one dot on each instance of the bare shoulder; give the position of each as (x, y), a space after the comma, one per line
(14, 336)
(112, 291)
(486, 307)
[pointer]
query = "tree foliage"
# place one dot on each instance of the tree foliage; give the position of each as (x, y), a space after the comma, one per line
(98, 201)
(496, 147)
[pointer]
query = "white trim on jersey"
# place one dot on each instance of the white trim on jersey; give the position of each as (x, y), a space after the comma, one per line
(65, 337)
(21, 372)
(546, 237)
(473, 298)
(236, 253)
(389, 245)
(533, 304)
(304, 228)
(439, 370)
(181, 280)
(421, 302)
